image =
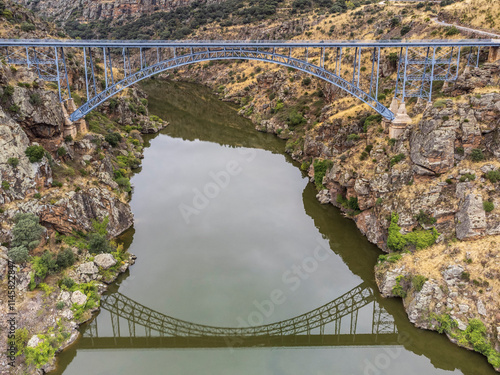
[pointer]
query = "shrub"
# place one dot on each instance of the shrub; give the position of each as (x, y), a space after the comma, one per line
(5, 185)
(27, 27)
(68, 139)
(476, 155)
(493, 176)
(320, 169)
(65, 258)
(36, 99)
(13, 162)
(439, 104)
(353, 137)
(306, 81)
(18, 254)
(14, 108)
(26, 231)
(467, 177)
(459, 150)
(398, 289)
(35, 153)
(60, 305)
(295, 118)
(405, 29)
(124, 183)
(67, 282)
(391, 258)
(420, 238)
(379, 201)
(113, 138)
(424, 218)
(363, 156)
(418, 282)
(451, 30)
(61, 151)
(488, 206)
(98, 243)
(396, 159)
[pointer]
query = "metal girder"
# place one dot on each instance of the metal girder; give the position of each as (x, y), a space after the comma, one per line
(120, 306)
(416, 71)
(225, 54)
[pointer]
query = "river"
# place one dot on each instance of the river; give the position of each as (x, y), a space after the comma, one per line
(228, 233)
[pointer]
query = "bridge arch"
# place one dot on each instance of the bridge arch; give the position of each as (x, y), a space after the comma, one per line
(232, 54)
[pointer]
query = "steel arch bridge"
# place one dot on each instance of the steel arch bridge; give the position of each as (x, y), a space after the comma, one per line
(353, 66)
(305, 329)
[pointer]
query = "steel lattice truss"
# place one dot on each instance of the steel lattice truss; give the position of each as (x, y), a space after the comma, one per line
(121, 306)
(353, 66)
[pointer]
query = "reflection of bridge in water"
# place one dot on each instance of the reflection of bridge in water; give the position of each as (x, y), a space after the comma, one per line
(318, 327)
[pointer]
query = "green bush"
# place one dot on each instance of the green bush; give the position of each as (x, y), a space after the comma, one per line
(320, 169)
(14, 108)
(18, 254)
(460, 150)
(13, 162)
(98, 243)
(493, 176)
(477, 155)
(35, 153)
(488, 206)
(424, 218)
(420, 238)
(353, 137)
(124, 184)
(67, 282)
(36, 99)
(27, 27)
(467, 177)
(306, 81)
(61, 151)
(405, 29)
(396, 159)
(60, 305)
(295, 118)
(26, 231)
(5, 185)
(398, 290)
(418, 282)
(113, 139)
(391, 258)
(65, 258)
(451, 30)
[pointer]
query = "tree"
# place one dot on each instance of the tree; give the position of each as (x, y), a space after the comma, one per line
(98, 243)
(18, 254)
(27, 231)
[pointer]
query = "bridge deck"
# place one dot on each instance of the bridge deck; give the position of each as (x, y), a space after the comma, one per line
(194, 342)
(248, 43)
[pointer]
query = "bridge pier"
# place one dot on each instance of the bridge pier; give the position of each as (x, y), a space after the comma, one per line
(398, 125)
(72, 128)
(493, 54)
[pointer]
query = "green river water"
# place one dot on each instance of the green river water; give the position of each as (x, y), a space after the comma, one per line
(228, 233)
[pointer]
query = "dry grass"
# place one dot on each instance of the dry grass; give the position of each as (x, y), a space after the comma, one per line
(479, 258)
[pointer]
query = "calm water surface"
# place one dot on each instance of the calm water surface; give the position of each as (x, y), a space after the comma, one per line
(228, 233)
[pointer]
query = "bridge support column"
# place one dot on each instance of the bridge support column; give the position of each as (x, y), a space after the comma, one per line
(399, 124)
(69, 127)
(394, 109)
(81, 125)
(494, 54)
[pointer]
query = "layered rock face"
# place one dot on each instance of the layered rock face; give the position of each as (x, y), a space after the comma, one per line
(19, 177)
(429, 155)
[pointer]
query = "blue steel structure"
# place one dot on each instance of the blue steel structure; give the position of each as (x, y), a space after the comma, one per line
(122, 63)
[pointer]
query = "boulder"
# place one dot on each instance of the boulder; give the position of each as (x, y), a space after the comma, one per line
(34, 341)
(104, 261)
(78, 298)
(453, 274)
(323, 196)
